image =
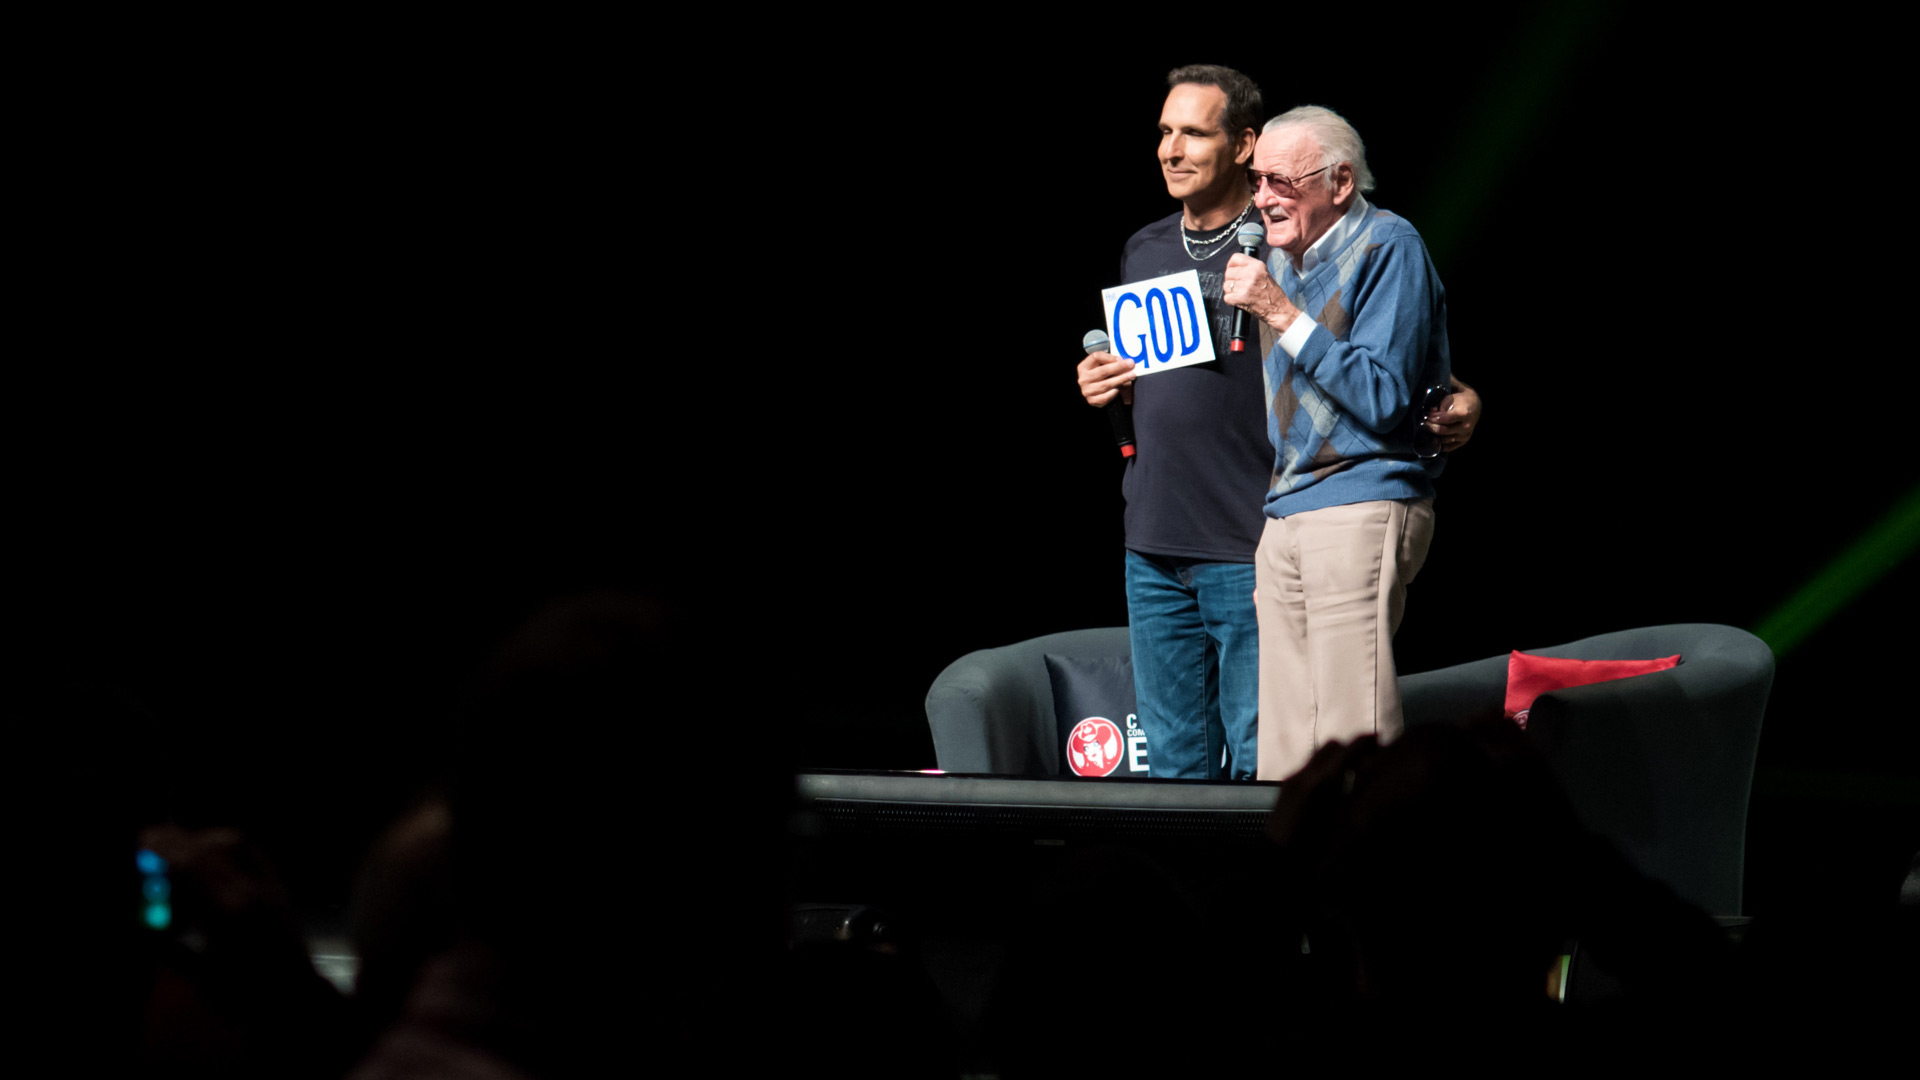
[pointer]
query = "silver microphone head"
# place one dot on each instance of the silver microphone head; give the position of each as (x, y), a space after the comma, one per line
(1250, 235)
(1096, 340)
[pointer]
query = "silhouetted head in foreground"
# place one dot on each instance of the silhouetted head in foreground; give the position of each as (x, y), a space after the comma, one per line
(1437, 864)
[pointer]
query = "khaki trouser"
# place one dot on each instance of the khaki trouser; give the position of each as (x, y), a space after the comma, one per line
(1332, 585)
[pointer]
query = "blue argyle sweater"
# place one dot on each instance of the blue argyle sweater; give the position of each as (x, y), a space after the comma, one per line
(1342, 414)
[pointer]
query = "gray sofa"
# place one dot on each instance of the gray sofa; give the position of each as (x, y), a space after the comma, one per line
(1661, 764)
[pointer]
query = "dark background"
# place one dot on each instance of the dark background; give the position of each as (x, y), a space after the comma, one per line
(374, 339)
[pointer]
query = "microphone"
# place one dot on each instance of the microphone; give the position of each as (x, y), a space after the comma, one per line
(1249, 238)
(1119, 415)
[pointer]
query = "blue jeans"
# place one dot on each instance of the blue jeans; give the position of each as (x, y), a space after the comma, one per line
(1196, 665)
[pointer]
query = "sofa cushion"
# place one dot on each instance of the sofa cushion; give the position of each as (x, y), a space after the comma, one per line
(1529, 676)
(1093, 709)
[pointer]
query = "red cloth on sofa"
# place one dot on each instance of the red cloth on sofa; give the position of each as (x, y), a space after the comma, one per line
(1530, 676)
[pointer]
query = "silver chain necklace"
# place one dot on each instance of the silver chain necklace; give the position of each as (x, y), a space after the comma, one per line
(1232, 227)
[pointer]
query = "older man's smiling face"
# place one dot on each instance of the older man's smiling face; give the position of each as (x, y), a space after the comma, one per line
(1297, 216)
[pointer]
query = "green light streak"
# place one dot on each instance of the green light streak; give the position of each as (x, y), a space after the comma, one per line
(1878, 551)
(1514, 105)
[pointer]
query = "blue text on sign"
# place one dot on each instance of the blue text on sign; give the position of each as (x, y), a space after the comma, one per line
(1173, 320)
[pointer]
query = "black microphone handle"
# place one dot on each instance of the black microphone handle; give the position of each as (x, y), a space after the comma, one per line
(1119, 413)
(1120, 418)
(1240, 314)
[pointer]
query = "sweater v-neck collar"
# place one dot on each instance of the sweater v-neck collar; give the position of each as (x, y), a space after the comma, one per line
(1322, 251)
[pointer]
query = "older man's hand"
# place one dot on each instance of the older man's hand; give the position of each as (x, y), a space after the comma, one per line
(1103, 375)
(1248, 286)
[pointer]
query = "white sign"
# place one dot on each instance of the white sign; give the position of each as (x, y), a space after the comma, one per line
(1159, 323)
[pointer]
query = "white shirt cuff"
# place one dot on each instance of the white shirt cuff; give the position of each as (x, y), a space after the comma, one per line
(1296, 336)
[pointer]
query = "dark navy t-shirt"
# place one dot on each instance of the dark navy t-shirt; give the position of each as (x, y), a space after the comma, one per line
(1197, 481)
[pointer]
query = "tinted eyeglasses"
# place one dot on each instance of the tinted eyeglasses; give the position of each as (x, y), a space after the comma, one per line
(1426, 441)
(1286, 186)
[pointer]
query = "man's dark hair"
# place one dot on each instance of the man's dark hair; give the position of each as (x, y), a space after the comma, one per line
(1244, 107)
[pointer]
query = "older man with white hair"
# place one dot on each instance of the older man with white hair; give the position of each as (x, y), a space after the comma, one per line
(1362, 323)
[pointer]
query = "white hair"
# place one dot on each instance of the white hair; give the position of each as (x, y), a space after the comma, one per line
(1338, 142)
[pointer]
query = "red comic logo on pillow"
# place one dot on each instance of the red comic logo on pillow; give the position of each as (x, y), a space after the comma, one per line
(1093, 747)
